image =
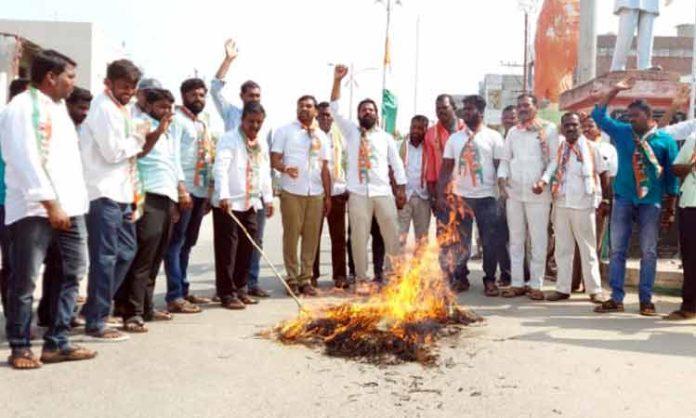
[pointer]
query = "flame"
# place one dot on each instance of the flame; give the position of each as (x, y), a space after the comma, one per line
(404, 317)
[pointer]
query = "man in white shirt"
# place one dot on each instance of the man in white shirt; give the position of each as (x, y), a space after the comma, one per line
(417, 208)
(528, 151)
(470, 161)
(110, 142)
(165, 194)
(242, 187)
(576, 189)
(301, 153)
(339, 197)
(46, 202)
(371, 153)
(192, 128)
(231, 115)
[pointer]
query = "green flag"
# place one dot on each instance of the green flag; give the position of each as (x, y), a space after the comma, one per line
(389, 108)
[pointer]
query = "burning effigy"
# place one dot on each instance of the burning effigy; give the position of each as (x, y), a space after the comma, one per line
(399, 323)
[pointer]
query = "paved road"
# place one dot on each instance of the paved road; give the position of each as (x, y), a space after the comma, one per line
(529, 360)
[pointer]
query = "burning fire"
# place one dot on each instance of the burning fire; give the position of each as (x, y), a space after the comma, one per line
(399, 323)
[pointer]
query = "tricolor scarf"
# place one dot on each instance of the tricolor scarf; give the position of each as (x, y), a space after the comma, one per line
(470, 158)
(339, 153)
(314, 145)
(539, 126)
(43, 131)
(204, 149)
(403, 153)
(253, 166)
(643, 156)
(364, 157)
(583, 153)
(134, 173)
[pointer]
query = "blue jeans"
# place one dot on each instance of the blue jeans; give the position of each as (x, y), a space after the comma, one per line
(255, 266)
(623, 214)
(184, 238)
(31, 238)
(488, 216)
(112, 246)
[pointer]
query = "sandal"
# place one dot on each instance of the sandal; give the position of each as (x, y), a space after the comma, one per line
(135, 325)
(680, 315)
(24, 359)
(182, 306)
(158, 315)
(73, 353)
(491, 290)
(246, 299)
(536, 294)
(234, 304)
(197, 300)
(107, 335)
(513, 292)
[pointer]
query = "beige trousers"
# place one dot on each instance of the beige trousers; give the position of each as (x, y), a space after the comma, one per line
(576, 226)
(360, 210)
(302, 217)
(416, 211)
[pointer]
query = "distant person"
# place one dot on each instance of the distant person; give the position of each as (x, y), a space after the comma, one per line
(46, 202)
(417, 210)
(78, 105)
(645, 190)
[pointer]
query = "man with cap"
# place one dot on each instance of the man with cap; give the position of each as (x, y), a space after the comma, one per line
(138, 108)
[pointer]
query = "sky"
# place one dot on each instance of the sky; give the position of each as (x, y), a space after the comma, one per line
(288, 46)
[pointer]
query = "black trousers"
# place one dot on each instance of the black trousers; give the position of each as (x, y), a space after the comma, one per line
(687, 243)
(153, 229)
(232, 251)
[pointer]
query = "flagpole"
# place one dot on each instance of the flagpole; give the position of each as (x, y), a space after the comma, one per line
(386, 54)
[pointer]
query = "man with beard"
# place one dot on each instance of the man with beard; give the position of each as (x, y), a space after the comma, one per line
(159, 165)
(242, 185)
(110, 141)
(46, 202)
(435, 140)
(191, 128)
(527, 154)
(645, 189)
(469, 162)
(417, 207)
(301, 153)
(371, 153)
(339, 197)
(576, 188)
(232, 117)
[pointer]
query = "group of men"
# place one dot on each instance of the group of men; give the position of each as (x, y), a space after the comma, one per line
(121, 183)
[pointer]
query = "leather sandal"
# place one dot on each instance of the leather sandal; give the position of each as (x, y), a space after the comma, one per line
(72, 353)
(24, 359)
(513, 292)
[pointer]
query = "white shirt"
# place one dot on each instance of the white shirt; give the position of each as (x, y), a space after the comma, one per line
(230, 173)
(29, 181)
(648, 6)
(413, 162)
(338, 157)
(488, 144)
(682, 130)
(383, 154)
(110, 140)
(575, 195)
(298, 151)
(522, 162)
(609, 155)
